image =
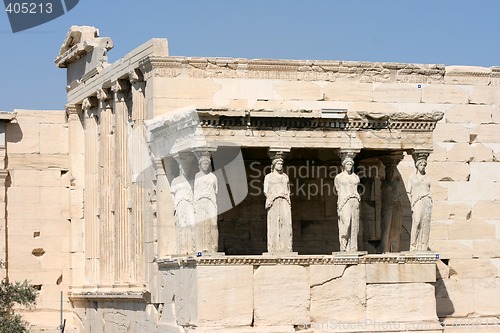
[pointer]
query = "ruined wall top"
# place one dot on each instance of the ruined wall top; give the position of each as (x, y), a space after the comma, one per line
(83, 52)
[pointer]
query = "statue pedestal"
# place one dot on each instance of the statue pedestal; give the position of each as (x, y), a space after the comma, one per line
(347, 292)
(211, 254)
(280, 254)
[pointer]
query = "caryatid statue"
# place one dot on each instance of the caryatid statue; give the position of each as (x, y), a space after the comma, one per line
(346, 185)
(392, 213)
(205, 206)
(419, 192)
(182, 191)
(279, 209)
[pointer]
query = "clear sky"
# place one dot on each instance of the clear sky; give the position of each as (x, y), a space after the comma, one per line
(450, 32)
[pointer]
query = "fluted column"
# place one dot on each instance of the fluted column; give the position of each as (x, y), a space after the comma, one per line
(122, 258)
(139, 195)
(107, 197)
(92, 192)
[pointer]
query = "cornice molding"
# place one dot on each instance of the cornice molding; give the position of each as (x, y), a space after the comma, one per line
(420, 122)
(125, 295)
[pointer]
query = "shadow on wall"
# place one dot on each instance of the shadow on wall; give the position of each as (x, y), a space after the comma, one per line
(14, 133)
(444, 305)
(406, 216)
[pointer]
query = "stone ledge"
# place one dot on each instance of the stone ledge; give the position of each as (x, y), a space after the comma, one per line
(334, 259)
(113, 296)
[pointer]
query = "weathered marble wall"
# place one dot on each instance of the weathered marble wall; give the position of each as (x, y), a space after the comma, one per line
(253, 294)
(40, 232)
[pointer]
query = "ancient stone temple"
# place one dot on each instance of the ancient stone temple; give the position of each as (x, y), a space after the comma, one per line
(237, 195)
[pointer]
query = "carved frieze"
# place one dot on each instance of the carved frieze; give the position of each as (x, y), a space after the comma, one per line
(366, 72)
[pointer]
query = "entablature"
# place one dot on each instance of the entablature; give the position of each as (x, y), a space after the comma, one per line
(362, 130)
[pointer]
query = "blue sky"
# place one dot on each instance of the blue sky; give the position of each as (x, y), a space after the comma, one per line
(427, 31)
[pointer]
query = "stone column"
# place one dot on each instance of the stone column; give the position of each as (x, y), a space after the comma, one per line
(77, 169)
(123, 256)
(138, 193)
(346, 185)
(391, 209)
(278, 205)
(92, 192)
(107, 195)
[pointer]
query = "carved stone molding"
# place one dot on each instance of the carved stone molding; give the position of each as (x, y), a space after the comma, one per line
(304, 260)
(125, 295)
(348, 153)
(278, 152)
(421, 122)
(292, 69)
(392, 159)
(420, 154)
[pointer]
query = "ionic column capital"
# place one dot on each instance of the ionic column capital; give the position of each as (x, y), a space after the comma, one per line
(119, 89)
(104, 94)
(135, 76)
(73, 111)
(88, 104)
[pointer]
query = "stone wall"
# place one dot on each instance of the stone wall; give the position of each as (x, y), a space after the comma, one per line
(310, 294)
(39, 229)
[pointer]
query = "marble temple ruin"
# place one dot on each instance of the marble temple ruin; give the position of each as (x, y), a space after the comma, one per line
(190, 194)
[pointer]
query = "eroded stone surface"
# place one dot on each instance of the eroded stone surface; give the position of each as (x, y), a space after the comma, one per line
(225, 296)
(340, 298)
(398, 302)
(281, 295)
